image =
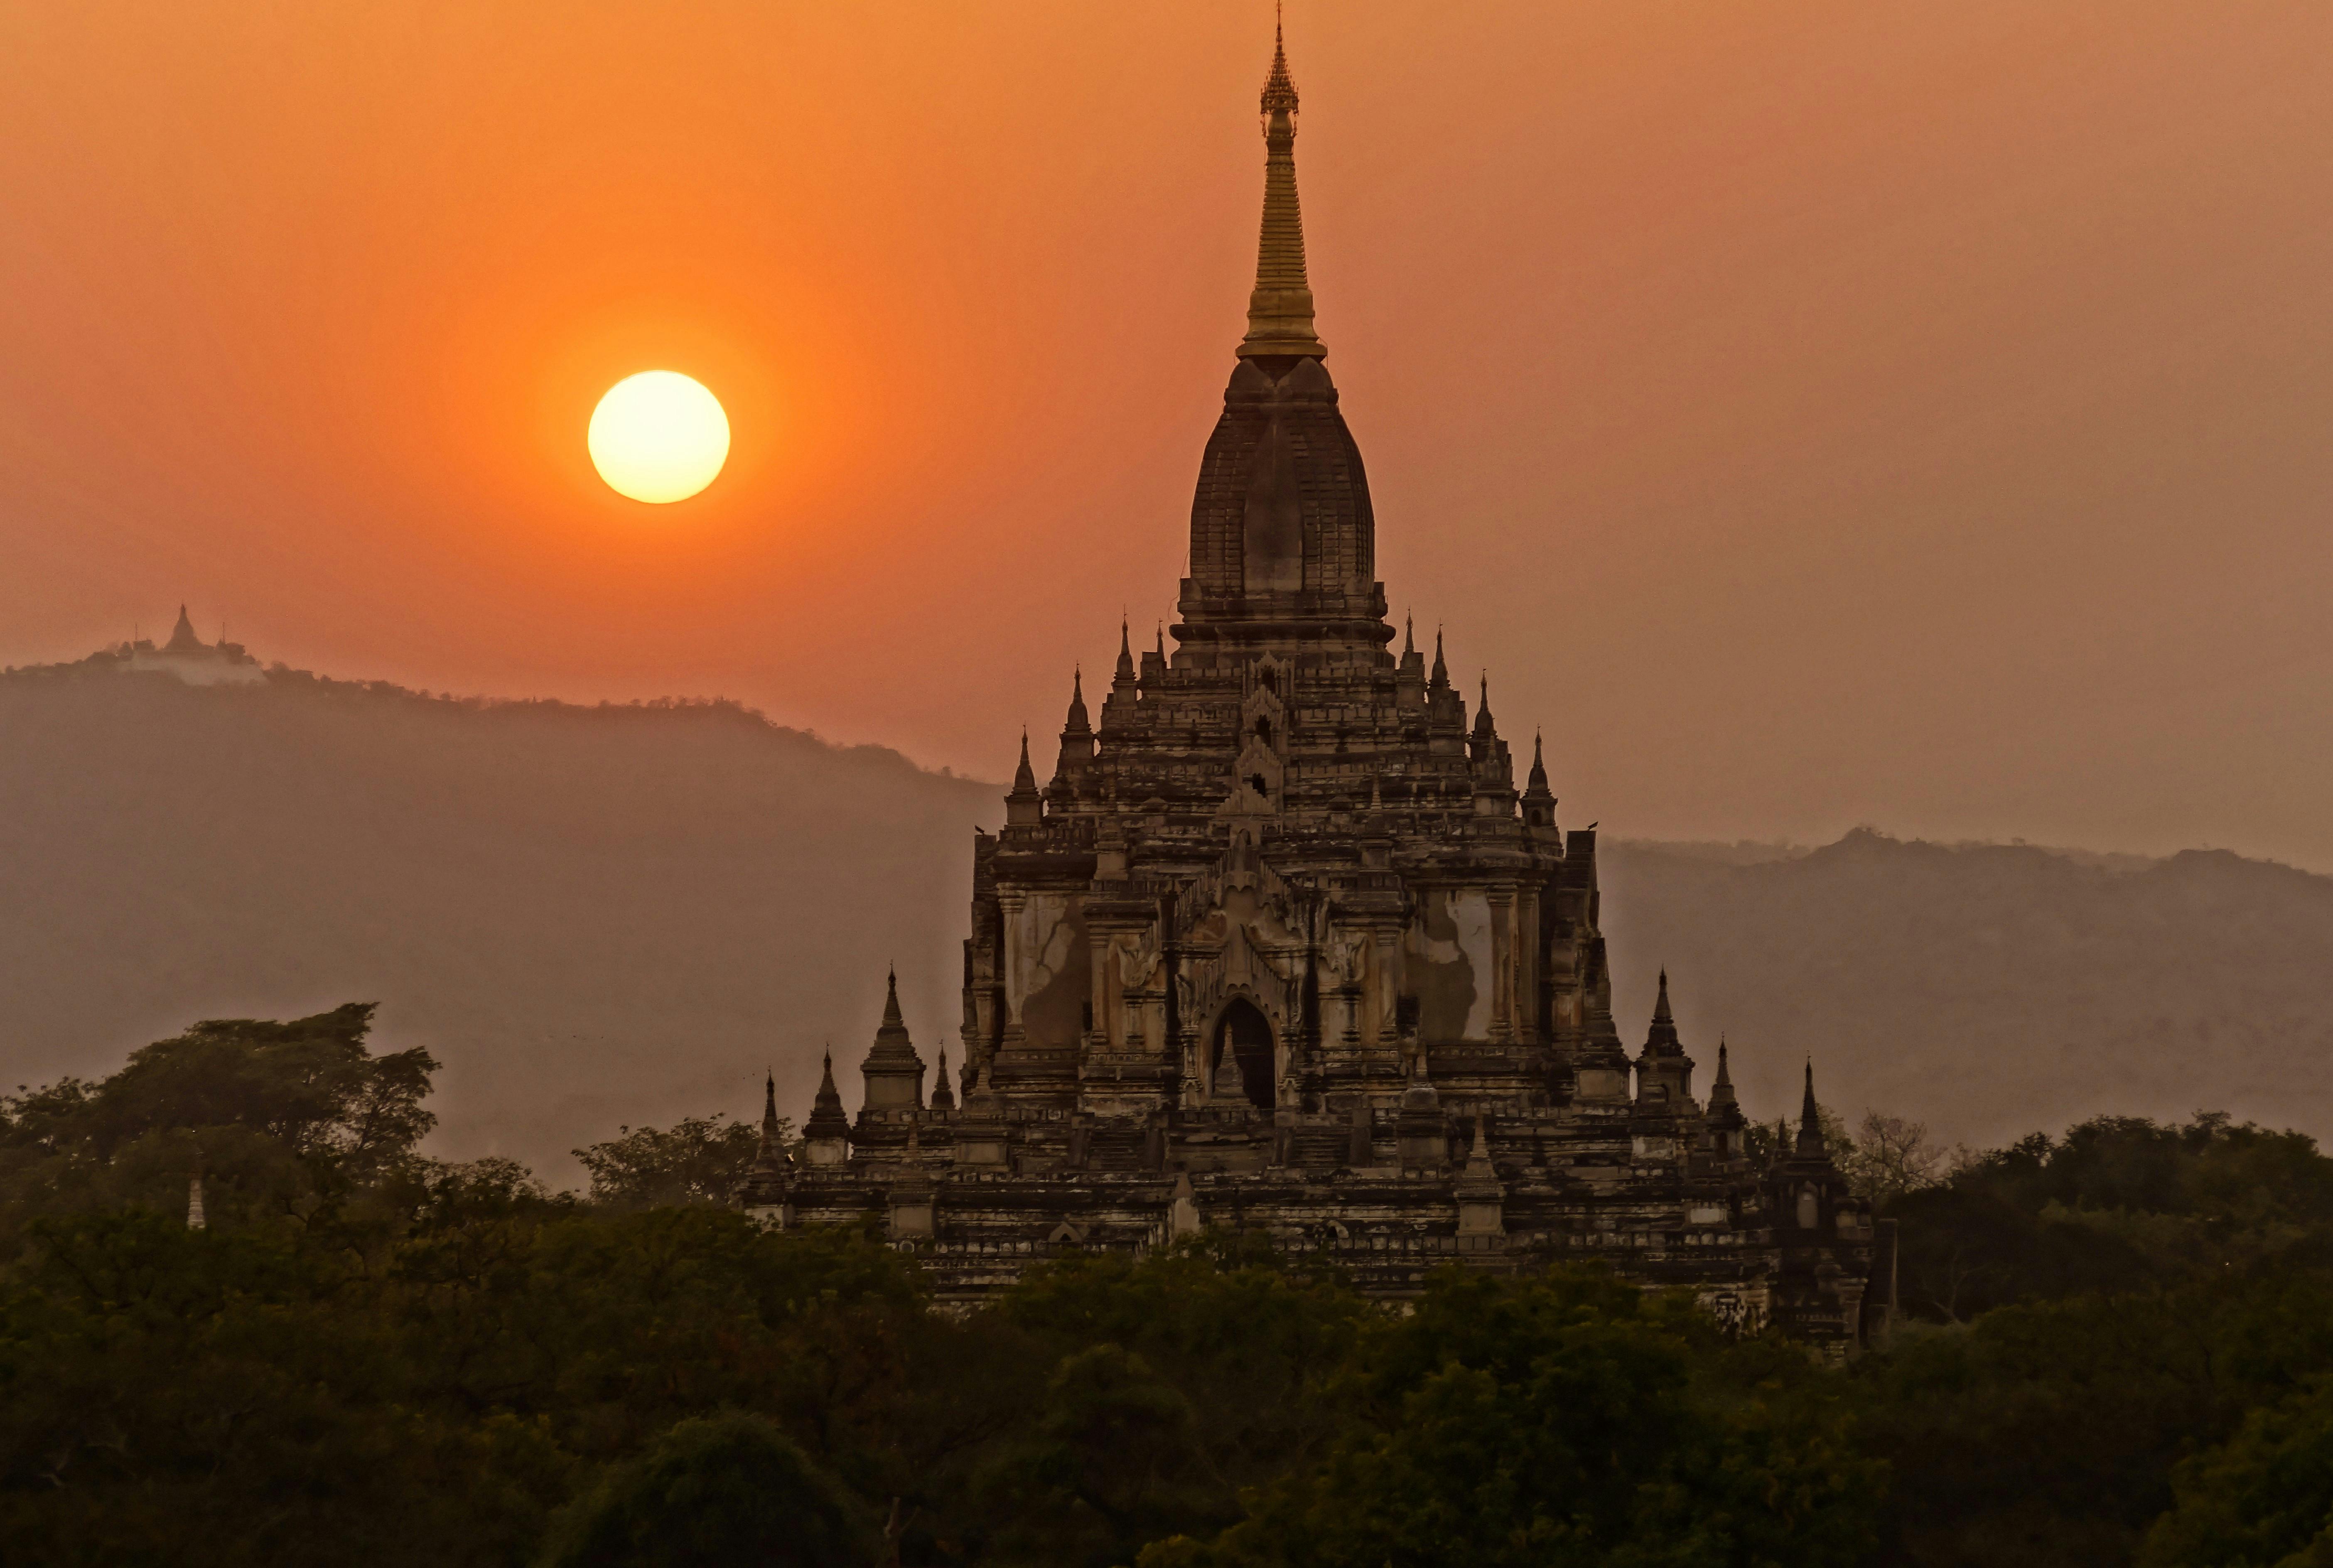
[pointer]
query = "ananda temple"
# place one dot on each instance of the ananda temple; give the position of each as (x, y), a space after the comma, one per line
(1278, 947)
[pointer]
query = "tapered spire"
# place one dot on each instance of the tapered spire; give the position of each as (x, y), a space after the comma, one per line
(1661, 1043)
(1538, 800)
(1810, 1133)
(1440, 679)
(769, 1155)
(1071, 768)
(893, 1071)
(1024, 808)
(1125, 653)
(943, 1092)
(1721, 1088)
(826, 1126)
(1484, 727)
(1279, 311)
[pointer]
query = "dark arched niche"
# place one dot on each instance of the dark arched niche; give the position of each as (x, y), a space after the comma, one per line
(1243, 1039)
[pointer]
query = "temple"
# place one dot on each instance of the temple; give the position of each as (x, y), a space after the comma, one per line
(1279, 947)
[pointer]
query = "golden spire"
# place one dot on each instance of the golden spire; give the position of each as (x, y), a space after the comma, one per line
(1279, 311)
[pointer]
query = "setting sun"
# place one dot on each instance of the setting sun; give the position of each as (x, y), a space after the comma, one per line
(658, 436)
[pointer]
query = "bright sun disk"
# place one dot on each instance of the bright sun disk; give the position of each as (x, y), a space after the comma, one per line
(658, 436)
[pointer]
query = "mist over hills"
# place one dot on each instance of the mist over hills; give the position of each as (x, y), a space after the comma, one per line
(590, 915)
(1988, 989)
(604, 916)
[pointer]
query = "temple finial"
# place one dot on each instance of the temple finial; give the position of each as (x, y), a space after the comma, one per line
(1125, 652)
(1280, 309)
(1810, 1133)
(1024, 807)
(1661, 1007)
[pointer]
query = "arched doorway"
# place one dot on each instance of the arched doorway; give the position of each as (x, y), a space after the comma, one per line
(1243, 1040)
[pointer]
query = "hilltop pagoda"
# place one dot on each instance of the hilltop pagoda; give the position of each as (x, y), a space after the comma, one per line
(1279, 947)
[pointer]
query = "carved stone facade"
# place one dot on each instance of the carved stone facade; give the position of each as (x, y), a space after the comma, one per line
(1281, 947)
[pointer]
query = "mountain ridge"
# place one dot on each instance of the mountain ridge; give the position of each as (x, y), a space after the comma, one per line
(622, 913)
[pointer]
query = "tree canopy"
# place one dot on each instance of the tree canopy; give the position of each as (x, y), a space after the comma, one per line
(2117, 1349)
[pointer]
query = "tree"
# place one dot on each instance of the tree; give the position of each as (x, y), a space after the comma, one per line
(2263, 1499)
(698, 1160)
(1554, 1420)
(716, 1491)
(1889, 1157)
(280, 1118)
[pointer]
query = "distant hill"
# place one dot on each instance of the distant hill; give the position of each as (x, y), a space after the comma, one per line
(620, 914)
(591, 915)
(1989, 990)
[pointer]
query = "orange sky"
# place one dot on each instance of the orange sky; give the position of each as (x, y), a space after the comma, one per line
(1814, 414)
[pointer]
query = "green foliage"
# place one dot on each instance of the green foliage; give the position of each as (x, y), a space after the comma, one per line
(1558, 1420)
(2264, 1499)
(714, 1492)
(2121, 1297)
(281, 1119)
(1176, 1381)
(374, 1357)
(2118, 1204)
(698, 1160)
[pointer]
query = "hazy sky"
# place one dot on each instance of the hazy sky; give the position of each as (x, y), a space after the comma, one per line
(1812, 413)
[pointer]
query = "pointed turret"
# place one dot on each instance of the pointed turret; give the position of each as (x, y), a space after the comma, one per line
(1729, 1130)
(1077, 744)
(1493, 769)
(893, 1071)
(1409, 673)
(943, 1094)
(1440, 680)
(1024, 808)
(1664, 1072)
(772, 1148)
(1811, 1143)
(1721, 1089)
(1538, 800)
(1118, 709)
(764, 1189)
(1279, 311)
(826, 1136)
